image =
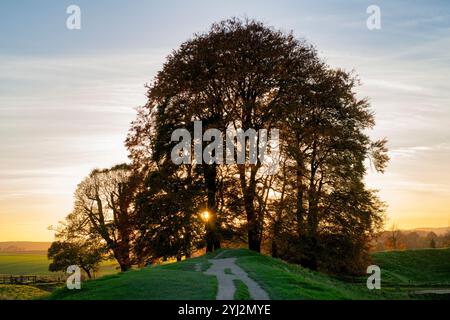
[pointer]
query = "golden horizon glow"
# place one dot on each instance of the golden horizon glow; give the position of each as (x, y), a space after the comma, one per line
(66, 102)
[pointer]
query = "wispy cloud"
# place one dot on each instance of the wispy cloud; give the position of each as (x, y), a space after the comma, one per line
(66, 98)
(60, 117)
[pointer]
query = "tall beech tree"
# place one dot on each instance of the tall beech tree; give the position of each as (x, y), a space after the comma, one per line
(239, 75)
(326, 147)
(168, 222)
(105, 206)
(243, 74)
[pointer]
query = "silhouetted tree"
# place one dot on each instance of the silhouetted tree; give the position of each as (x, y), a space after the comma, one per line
(240, 74)
(105, 206)
(395, 240)
(431, 238)
(168, 219)
(86, 255)
(432, 243)
(243, 74)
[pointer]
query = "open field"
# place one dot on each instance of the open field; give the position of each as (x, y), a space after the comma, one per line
(37, 264)
(20, 292)
(24, 263)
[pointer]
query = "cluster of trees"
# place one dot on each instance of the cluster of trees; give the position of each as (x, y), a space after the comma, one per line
(396, 239)
(315, 210)
(102, 222)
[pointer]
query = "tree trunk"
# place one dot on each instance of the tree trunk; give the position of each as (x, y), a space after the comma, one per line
(253, 228)
(124, 267)
(254, 234)
(312, 220)
(122, 259)
(212, 234)
(88, 272)
(248, 190)
(276, 231)
(300, 213)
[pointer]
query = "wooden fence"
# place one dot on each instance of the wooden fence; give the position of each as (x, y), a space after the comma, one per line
(30, 279)
(18, 279)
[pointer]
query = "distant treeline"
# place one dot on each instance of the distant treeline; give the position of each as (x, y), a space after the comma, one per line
(412, 239)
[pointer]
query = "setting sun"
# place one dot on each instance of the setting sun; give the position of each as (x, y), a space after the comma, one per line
(205, 215)
(316, 132)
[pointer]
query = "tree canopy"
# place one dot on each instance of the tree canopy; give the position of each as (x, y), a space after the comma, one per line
(242, 74)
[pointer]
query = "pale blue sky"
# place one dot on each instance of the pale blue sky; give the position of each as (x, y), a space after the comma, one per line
(67, 97)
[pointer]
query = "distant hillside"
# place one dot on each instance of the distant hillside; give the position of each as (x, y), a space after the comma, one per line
(419, 238)
(438, 231)
(24, 246)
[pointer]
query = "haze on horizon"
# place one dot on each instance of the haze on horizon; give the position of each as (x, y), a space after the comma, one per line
(67, 97)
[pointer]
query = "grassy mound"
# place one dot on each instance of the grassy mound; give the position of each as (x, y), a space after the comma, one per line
(287, 281)
(281, 280)
(176, 281)
(417, 267)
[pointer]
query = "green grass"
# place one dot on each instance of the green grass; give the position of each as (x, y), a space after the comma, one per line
(281, 280)
(24, 263)
(242, 292)
(37, 264)
(194, 264)
(183, 280)
(176, 281)
(234, 253)
(415, 267)
(284, 281)
(18, 292)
